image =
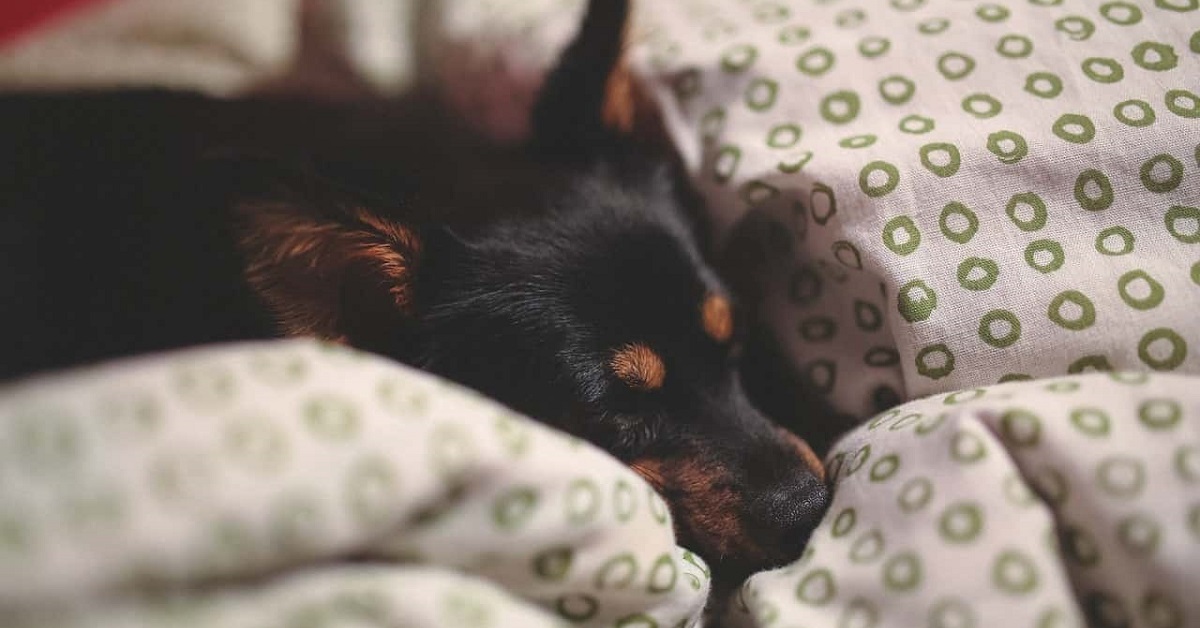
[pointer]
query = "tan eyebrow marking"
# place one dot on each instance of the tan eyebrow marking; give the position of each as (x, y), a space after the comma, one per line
(639, 366)
(717, 316)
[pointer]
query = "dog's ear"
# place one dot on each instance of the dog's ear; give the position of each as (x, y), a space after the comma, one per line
(591, 94)
(322, 260)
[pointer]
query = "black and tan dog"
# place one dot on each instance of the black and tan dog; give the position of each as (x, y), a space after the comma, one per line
(566, 279)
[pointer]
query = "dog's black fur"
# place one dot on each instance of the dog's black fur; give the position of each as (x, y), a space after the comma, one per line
(527, 281)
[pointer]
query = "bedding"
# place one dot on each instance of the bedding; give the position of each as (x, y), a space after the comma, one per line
(300, 484)
(225, 48)
(296, 483)
(954, 193)
(959, 196)
(961, 193)
(1070, 501)
(217, 47)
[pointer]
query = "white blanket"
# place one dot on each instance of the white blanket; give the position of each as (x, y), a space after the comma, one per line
(932, 167)
(293, 482)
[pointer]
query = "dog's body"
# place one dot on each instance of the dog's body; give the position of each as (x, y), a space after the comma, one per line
(571, 285)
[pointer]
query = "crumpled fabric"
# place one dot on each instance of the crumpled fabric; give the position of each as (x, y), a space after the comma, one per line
(287, 482)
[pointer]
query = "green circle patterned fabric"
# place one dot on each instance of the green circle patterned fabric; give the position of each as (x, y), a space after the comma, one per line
(303, 484)
(969, 192)
(1059, 502)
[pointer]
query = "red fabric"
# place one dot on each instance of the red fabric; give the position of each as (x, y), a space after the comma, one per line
(19, 17)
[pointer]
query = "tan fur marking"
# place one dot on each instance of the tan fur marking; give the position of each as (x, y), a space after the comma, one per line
(704, 509)
(811, 460)
(395, 233)
(714, 513)
(394, 254)
(299, 263)
(619, 110)
(628, 106)
(651, 471)
(639, 366)
(717, 315)
(620, 100)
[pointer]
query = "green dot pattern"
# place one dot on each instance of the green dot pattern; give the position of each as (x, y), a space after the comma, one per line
(985, 174)
(437, 506)
(1065, 501)
(977, 195)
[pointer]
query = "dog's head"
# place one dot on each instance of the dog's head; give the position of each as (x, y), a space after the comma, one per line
(589, 307)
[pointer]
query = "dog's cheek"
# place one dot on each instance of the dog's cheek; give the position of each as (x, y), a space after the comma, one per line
(705, 506)
(652, 471)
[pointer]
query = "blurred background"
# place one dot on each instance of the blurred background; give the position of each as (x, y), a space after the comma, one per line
(110, 109)
(325, 49)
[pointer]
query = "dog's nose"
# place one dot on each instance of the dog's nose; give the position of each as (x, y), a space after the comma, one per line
(788, 511)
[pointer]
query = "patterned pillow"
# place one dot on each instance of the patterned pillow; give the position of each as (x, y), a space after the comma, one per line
(962, 192)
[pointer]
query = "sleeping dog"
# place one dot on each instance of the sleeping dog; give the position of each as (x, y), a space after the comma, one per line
(567, 279)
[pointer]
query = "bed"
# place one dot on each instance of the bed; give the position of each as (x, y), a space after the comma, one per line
(982, 235)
